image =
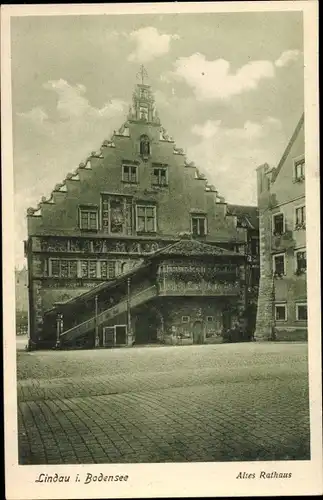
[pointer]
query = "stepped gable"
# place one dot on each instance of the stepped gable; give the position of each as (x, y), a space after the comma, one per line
(247, 216)
(95, 157)
(194, 248)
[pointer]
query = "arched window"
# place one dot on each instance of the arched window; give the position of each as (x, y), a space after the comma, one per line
(144, 145)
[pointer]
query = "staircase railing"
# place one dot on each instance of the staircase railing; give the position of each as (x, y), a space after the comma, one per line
(94, 321)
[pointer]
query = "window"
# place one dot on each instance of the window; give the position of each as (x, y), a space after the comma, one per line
(255, 275)
(279, 264)
(278, 224)
(300, 217)
(280, 312)
(63, 268)
(144, 146)
(301, 312)
(300, 261)
(108, 269)
(254, 246)
(88, 218)
(88, 269)
(146, 218)
(198, 225)
(130, 173)
(185, 319)
(55, 267)
(209, 319)
(299, 169)
(160, 177)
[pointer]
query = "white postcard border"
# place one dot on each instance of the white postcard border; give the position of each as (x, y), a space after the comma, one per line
(168, 480)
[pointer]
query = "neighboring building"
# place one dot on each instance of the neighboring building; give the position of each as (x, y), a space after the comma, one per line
(248, 218)
(21, 296)
(282, 305)
(21, 289)
(134, 207)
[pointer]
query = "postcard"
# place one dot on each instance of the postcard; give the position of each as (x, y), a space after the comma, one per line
(161, 250)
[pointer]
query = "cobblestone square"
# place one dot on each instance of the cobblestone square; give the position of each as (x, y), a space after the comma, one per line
(169, 404)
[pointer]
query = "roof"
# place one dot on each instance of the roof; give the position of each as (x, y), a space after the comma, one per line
(193, 248)
(288, 148)
(247, 215)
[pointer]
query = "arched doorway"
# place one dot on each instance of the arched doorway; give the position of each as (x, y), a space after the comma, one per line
(198, 337)
(148, 323)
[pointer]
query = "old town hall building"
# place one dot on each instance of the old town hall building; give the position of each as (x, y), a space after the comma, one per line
(136, 247)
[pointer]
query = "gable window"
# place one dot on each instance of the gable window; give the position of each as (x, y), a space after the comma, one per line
(185, 319)
(278, 224)
(209, 319)
(279, 264)
(299, 169)
(300, 217)
(300, 256)
(198, 225)
(145, 146)
(301, 312)
(160, 177)
(146, 218)
(88, 218)
(130, 174)
(280, 312)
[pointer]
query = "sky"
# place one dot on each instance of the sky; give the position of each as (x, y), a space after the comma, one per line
(228, 89)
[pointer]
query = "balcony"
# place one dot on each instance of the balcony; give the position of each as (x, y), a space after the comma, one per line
(198, 288)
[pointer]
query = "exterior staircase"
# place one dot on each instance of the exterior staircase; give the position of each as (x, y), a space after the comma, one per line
(106, 315)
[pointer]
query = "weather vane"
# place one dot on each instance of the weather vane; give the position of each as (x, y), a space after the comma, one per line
(142, 73)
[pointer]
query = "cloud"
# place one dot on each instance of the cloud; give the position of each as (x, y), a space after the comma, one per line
(274, 122)
(35, 115)
(229, 156)
(208, 129)
(49, 144)
(150, 44)
(73, 104)
(287, 57)
(249, 130)
(214, 80)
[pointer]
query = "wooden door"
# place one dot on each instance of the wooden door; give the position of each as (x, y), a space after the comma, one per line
(109, 336)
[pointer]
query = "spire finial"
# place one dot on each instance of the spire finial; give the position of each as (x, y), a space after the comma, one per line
(142, 74)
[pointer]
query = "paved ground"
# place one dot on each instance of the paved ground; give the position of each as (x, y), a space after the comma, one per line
(194, 403)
